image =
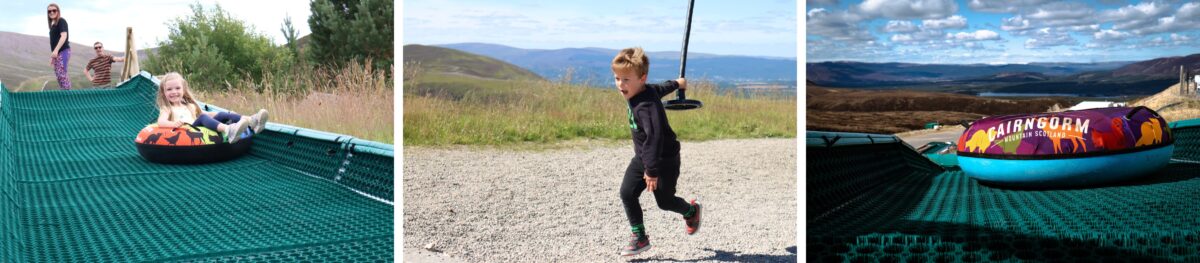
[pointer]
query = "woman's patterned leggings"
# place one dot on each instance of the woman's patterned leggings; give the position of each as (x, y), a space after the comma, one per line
(60, 69)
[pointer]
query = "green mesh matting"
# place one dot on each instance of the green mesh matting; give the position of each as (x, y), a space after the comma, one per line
(74, 189)
(870, 202)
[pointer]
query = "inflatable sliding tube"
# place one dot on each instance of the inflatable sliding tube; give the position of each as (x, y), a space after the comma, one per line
(189, 145)
(1066, 149)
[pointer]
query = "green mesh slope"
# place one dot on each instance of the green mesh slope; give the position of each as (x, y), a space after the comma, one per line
(74, 189)
(880, 206)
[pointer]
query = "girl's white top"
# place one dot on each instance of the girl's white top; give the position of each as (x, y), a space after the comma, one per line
(183, 113)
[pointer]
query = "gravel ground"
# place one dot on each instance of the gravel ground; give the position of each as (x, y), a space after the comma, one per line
(487, 205)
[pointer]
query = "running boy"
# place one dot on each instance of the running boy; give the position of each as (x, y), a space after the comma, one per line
(655, 164)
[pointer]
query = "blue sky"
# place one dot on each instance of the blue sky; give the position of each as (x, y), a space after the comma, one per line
(757, 28)
(983, 31)
(105, 20)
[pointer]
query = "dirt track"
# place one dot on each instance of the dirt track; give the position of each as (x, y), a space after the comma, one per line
(563, 206)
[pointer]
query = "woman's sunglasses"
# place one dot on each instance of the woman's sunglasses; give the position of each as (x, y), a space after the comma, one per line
(99, 48)
(52, 11)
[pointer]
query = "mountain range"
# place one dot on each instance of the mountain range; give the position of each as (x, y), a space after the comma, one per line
(1102, 78)
(862, 74)
(593, 65)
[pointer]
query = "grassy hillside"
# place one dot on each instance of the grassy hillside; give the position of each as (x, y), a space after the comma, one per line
(26, 62)
(894, 111)
(1171, 105)
(438, 59)
(450, 109)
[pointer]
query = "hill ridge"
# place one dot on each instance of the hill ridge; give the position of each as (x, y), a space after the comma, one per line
(446, 60)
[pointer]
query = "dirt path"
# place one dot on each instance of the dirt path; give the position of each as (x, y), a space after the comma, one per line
(563, 206)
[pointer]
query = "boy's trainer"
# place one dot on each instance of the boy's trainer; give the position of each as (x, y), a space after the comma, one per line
(637, 244)
(693, 223)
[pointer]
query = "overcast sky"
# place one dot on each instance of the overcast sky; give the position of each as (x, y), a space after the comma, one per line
(105, 20)
(760, 27)
(982, 31)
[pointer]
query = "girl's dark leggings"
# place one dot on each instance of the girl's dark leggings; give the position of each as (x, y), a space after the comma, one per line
(633, 185)
(212, 122)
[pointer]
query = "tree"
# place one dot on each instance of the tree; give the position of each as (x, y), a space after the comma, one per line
(289, 33)
(212, 48)
(351, 30)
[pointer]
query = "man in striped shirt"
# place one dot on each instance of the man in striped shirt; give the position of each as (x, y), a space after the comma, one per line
(102, 64)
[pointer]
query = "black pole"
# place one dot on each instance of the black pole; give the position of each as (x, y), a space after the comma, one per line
(687, 32)
(681, 102)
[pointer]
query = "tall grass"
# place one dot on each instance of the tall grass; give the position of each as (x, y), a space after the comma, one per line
(354, 100)
(443, 109)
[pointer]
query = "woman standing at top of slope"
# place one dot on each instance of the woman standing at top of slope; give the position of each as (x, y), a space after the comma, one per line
(60, 45)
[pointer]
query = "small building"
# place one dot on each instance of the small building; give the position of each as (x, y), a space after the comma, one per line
(1096, 105)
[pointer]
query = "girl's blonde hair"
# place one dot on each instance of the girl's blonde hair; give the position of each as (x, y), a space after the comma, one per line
(51, 21)
(188, 99)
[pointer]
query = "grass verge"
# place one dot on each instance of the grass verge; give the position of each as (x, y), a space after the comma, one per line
(449, 109)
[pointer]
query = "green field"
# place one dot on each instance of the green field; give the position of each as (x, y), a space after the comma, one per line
(452, 109)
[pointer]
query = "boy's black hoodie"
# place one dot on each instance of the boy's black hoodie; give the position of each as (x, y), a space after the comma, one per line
(653, 139)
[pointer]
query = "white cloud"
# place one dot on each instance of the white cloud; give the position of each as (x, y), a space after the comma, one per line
(828, 50)
(1016, 23)
(1082, 28)
(1136, 16)
(978, 35)
(902, 38)
(1140, 19)
(953, 22)
(900, 26)
(841, 26)
(1111, 35)
(908, 9)
(816, 11)
(993, 6)
(923, 35)
(1177, 38)
(1063, 14)
(1174, 40)
(927, 32)
(1186, 18)
(1047, 37)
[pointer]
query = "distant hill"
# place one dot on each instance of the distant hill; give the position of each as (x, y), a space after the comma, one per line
(445, 60)
(1167, 67)
(862, 74)
(894, 110)
(1015, 77)
(593, 65)
(25, 61)
(1083, 79)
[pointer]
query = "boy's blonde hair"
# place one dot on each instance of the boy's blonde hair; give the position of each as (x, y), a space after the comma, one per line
(631, 59)
(188, 99)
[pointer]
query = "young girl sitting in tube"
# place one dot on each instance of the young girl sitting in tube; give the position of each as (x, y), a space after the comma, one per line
(177, 107)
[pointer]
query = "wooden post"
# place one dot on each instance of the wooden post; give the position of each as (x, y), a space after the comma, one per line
(131, 67)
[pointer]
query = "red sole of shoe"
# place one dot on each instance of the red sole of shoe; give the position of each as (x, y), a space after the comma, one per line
(636, 252)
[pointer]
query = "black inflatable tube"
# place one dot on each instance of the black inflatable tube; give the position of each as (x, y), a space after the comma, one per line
(202, 154)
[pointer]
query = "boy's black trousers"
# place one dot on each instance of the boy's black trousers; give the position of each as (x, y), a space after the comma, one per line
(633, 185)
